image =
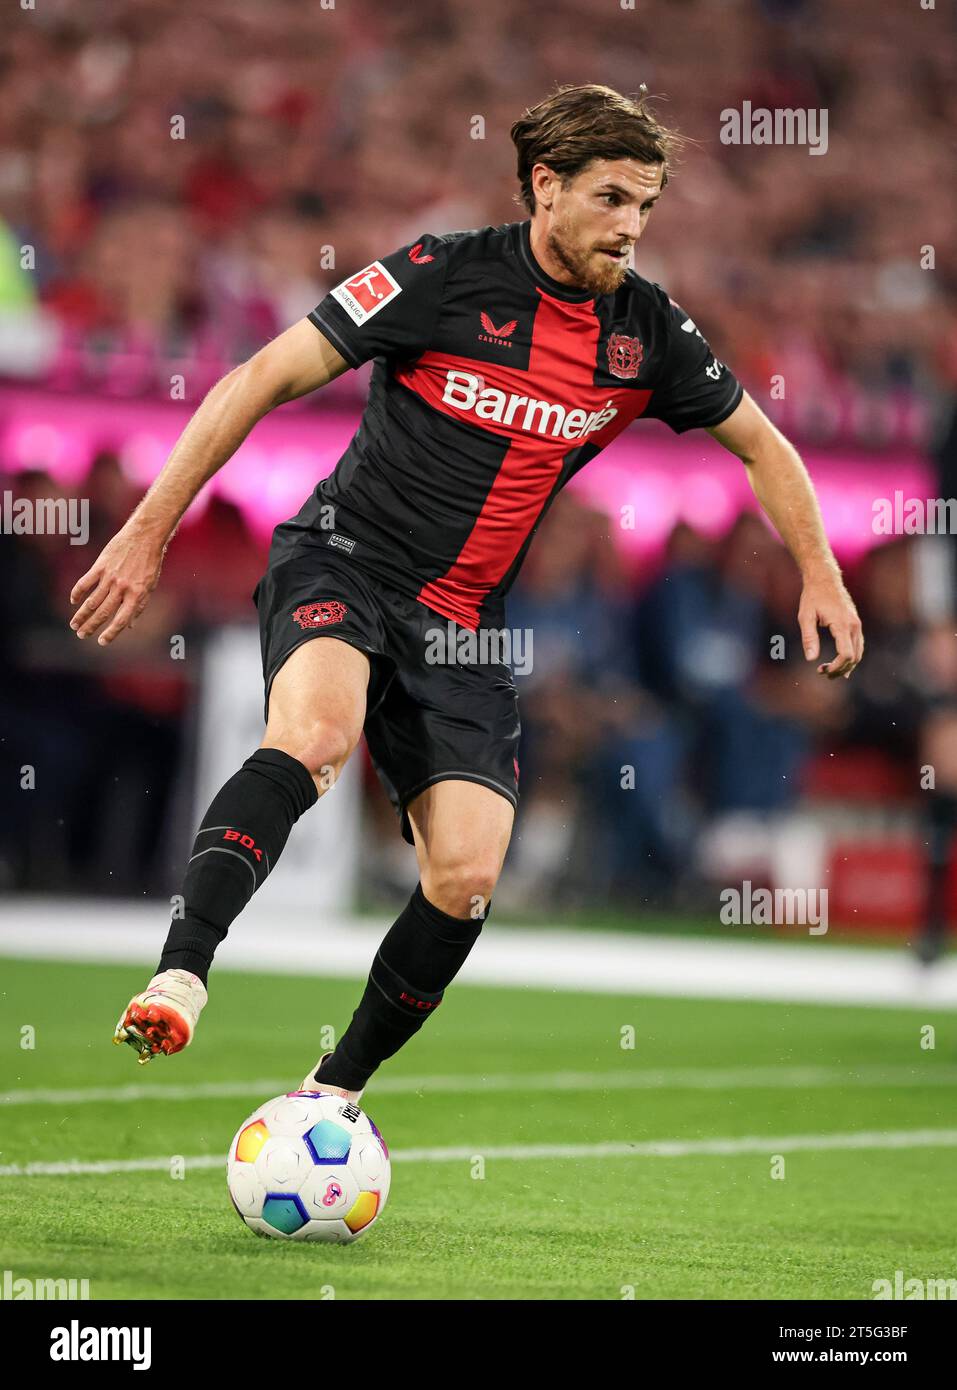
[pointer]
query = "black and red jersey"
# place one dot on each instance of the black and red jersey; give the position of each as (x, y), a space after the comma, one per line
(492, 385)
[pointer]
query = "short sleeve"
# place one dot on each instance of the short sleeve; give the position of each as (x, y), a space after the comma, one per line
(389, 308)
(696, 390)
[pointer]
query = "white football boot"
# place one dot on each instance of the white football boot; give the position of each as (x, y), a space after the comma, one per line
(163, 1018)
(311, 1084)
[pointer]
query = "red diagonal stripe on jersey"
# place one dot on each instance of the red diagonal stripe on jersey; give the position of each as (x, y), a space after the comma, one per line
(560, 369)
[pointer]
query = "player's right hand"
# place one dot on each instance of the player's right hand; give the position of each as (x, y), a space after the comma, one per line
(114, 592)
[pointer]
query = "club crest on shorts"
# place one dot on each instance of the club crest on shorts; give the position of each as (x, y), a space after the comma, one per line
(624, 355)
(321, 614)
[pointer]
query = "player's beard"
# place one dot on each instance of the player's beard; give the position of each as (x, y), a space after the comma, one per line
(589, 267)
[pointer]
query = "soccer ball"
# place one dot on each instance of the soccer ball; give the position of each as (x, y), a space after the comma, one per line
(308, 1166)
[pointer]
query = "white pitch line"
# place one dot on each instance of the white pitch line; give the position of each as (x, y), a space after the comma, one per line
(663, 1079)
(283, 941)
(656, 1148)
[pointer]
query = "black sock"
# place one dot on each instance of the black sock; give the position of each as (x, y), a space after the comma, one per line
(241, 837)
(421, 954)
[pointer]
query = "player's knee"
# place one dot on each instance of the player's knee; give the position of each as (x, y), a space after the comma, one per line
(461, 887)
(323, 747)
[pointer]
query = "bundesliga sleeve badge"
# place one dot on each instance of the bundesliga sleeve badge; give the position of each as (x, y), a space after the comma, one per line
(366, 292)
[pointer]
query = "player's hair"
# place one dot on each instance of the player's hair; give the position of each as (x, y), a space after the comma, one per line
(575, 125)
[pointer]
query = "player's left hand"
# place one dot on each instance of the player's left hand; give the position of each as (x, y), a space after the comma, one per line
(826, 603)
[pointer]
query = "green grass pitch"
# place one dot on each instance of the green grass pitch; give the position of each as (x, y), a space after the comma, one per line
(699, 1225)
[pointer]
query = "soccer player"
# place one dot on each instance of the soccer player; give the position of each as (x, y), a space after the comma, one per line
(505, 359)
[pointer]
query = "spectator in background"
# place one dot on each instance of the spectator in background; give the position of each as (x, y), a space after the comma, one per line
(703, 629)
(214, 565)
(937, 782)
(907, 709)
(763, 703)
(71, 825)
(112, 497)
(888, 704)
(46, 755)
(592, 735)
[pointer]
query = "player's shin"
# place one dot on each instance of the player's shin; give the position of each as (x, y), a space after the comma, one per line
(238, 843)
(420, 956)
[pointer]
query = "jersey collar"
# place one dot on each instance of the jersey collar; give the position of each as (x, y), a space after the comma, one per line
(543, 281)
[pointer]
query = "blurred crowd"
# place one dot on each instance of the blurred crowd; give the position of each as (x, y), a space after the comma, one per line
(178, 185)
(192, 181)
(673, 729)
(97, 746)
(669, 720)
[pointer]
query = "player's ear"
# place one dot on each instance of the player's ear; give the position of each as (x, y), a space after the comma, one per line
(544, 182)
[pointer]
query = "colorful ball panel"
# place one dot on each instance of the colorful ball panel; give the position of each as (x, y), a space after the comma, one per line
(283, 1213)
(328, 1142)
(362, 1212)
(251, 1140)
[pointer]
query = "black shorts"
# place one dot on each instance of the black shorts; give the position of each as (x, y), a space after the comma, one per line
(429, 719)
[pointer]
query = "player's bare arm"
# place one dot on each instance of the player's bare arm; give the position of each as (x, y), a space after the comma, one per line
(784, 489)
(116, 589)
